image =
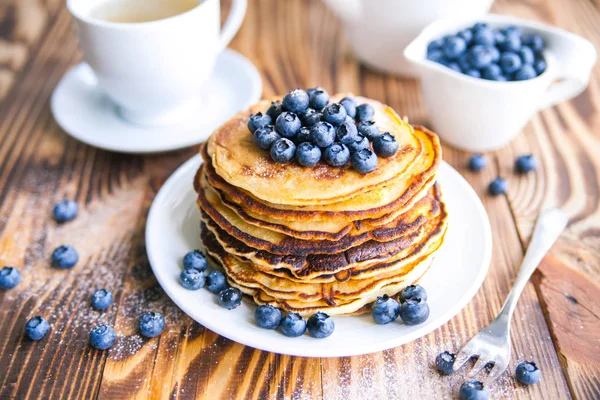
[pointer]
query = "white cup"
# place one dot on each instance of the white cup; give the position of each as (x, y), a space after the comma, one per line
(480, 115)
(154, 71)
(379, 30)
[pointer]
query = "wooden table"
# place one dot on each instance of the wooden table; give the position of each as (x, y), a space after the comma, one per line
(294, 43)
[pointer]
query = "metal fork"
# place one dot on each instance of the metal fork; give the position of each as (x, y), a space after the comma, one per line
(492, 344)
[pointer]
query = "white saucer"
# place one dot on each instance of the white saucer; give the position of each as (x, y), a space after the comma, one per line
(457, 273)
(87, 114)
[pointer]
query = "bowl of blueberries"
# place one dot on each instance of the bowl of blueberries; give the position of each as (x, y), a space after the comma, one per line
(483, 79)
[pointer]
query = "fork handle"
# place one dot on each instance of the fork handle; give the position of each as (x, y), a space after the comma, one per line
(548, 228)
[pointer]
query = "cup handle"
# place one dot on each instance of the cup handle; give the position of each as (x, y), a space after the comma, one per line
(574, 59)
(233, 22)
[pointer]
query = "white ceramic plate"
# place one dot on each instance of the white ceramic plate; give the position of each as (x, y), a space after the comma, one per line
(87, 114)
(173, 228)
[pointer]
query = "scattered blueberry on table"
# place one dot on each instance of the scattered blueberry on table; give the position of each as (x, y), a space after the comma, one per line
(65, 210)
(151, 324)
(293, 325)
(477, 162)
(528, 373)
(525, 164)
(194, 259)
(414, 311)
(385, 310)
(504, 54)
(320, 325)
(473, 390)
(306, 128)
(36, 328)
(102, 337)
(267, 316)
(497, 187)
(444, 362)
(192, 279)
(215, 281)
(9, 277)
(64, 257)
(230, 298)
(102, 299)
(413, 292)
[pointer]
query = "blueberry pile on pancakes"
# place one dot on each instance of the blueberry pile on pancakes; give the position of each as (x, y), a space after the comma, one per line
(322, 237)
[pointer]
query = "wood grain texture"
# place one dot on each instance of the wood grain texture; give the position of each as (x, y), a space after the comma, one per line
(293, 43)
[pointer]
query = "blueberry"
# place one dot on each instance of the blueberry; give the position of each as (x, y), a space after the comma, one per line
(511, 43)
(478, 26)
(318, 99)
(414, 311)
(365, 112)
(444, 362)
(528, 373)
(322, 134)
(385, 145)
(287, 124)
(102, 337)
(192, 279)
(320, 325)
(525, 164)
(230, 298)
(64, 257)
(493, 72)
(361, 143)
(463, 62)
(526, 72)
(364, 161)
(474, 73)
(497, 187)
(534, 42)
(466, 35)
(265, 137)
(258, 120)
(267, 317)
(510, 62)
(479, 56)
(215, 281)
(336, 154)
(453, 47)
(312, 119)
(274, 110)
(511, 31)
(346, 132)
(101, 299)
(9, 277)
(413, 292)
(539, 66)
(473, 390)
(194, 259)
(498, 37)
(477, 162)
(334, 113)
(527, 56)
(435, 45)
(36, 328)
(385, 310)
(302, 136)
(65, 210)
(484, 36)
(454, 66)
(293, 325)
(305, 114)
(350, 105)
(436, 56)
(151, 324)
(308, 154)
(495, 53)
(368, 129)
(311, 91)
(283, 150)
(295, 101)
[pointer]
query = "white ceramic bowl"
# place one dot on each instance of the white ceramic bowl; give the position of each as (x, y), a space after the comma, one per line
(480, 115)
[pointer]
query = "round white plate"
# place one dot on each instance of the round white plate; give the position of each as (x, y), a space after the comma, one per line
(87, 114)
(173, 229)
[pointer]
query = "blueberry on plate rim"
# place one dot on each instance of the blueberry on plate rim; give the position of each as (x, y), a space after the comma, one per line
(194, 259)
(267, 316)
(444, 362)
(528, 373)
(151, 324)
(230, 298)
(9, 277)
(385, 310)
(102, 299)
(64, 257)
(473, 390)
(413, 292)
(320, 325)
(414, 311)
(102, 337)
(65, 210)
(36, 328)
(215, 281)
(293, 325)
(192, 279)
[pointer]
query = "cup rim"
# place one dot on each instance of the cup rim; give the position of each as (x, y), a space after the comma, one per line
(444, 26)
(84, 17)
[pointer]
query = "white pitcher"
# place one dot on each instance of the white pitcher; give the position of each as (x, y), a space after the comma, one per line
(379, 30)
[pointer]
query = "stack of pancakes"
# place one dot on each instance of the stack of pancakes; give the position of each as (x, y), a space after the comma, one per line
(324, 238)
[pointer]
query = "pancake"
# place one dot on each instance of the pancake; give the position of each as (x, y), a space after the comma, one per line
(244, 165)
(373, 206)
